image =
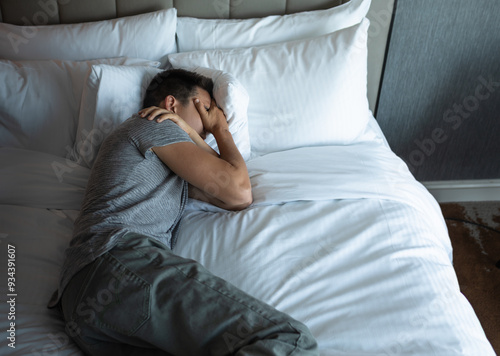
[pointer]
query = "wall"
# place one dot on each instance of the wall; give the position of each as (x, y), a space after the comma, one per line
(439, 102)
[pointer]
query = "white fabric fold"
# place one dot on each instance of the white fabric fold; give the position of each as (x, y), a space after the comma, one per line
(363, 170)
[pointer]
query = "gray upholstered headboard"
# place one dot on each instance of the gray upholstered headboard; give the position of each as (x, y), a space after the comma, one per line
(72, 11)
(45, 12)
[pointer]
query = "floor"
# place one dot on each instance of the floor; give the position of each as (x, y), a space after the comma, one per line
(474, 229)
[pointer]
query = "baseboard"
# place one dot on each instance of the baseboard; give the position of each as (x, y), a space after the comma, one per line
(464, 190)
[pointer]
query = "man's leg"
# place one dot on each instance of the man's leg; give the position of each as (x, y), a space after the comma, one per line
(151, 298)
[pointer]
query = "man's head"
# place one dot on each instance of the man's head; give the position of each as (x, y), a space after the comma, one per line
(175, 90)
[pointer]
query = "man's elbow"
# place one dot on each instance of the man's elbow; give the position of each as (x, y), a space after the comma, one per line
(241, 199)
(243, 204)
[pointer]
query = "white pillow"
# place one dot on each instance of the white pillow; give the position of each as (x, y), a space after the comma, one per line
(40, 102)
(150, 36)
(302, 93)
(114, 93)
(197, 34)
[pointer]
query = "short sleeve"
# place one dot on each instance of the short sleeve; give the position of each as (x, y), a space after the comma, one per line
(146, 134)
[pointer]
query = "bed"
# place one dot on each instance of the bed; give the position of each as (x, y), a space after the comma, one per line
(340, 235)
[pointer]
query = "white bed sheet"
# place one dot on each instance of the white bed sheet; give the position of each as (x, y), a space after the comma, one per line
(340, 237)
(344, 239)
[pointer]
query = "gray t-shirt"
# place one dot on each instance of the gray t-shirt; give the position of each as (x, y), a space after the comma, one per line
(129, 190)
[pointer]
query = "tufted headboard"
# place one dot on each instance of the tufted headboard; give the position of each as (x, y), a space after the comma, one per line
(43, 12)
(49, 12)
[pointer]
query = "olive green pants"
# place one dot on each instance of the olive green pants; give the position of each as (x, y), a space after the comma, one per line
(141, 299)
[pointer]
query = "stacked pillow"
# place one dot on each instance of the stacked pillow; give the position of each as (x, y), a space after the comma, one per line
(306, 73)
(149, 36)
(195, 34)
(46, 67)
(316, 97)
(301, 76)
(40, 101)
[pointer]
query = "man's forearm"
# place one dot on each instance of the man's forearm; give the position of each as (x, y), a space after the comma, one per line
(227, 177)
(199, 194)
(227, 148)
(234, 177)
(202, 144)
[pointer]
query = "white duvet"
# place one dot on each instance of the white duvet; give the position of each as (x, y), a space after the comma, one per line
(340, 237)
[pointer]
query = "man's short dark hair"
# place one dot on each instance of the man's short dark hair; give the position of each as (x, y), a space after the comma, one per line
(180, 83)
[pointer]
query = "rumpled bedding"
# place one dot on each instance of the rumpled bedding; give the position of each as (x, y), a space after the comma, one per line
(340, 237)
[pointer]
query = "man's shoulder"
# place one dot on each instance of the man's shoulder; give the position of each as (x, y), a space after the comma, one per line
(133, 127)
(143, 134)
(133, 121)
(136, 124)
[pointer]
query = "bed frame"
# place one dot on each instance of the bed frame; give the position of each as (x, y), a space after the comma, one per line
(51, 12)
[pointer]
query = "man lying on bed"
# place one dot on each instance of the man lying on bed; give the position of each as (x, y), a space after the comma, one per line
(122, 290)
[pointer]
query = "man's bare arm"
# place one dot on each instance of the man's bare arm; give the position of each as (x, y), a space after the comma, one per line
(223, 180)
(198, 194)
(159, 115)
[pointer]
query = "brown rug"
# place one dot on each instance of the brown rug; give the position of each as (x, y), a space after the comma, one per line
(474, 230)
